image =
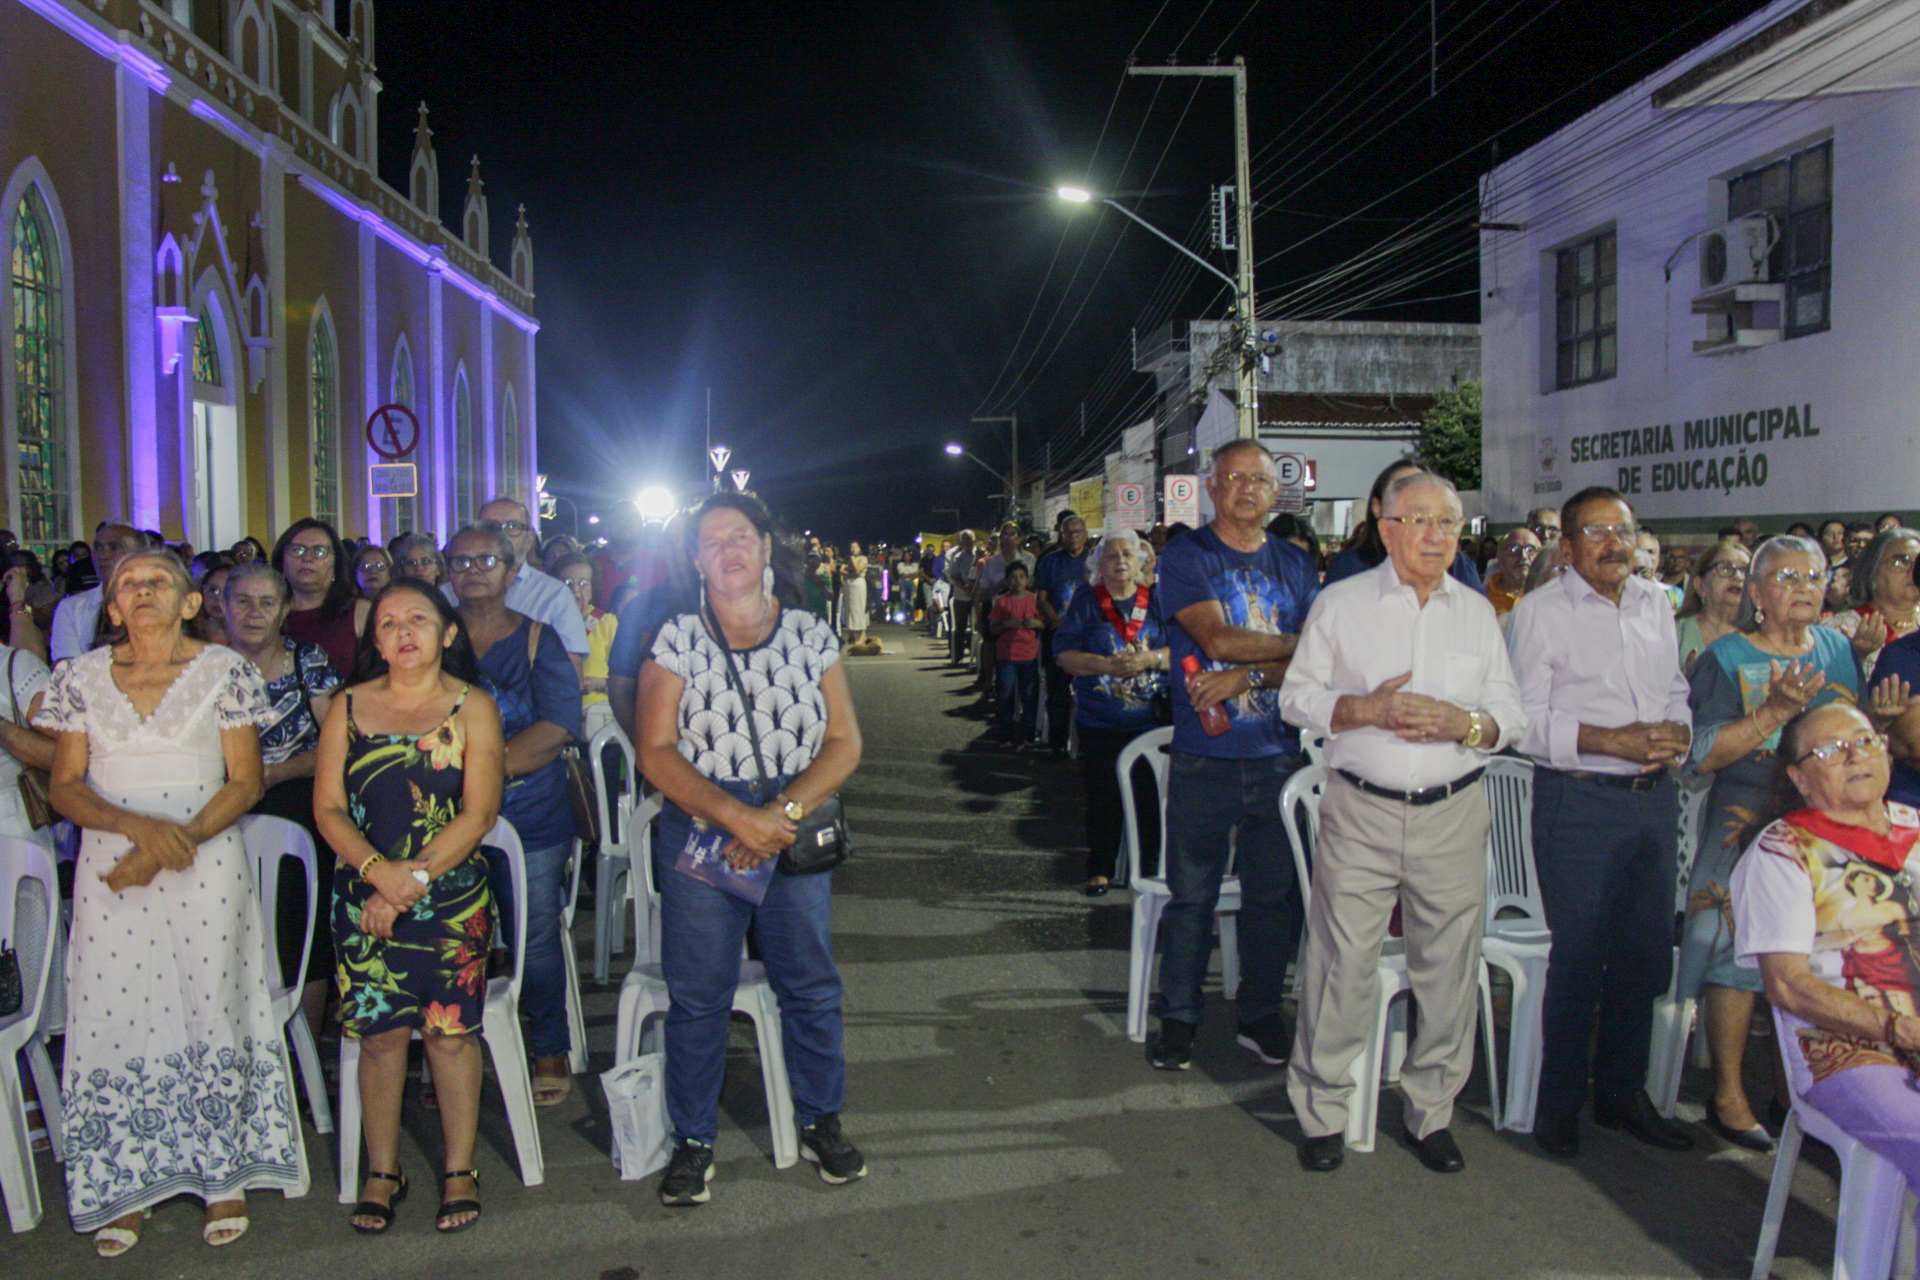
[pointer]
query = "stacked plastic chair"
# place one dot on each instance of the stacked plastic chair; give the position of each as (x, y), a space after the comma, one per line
(21, 861)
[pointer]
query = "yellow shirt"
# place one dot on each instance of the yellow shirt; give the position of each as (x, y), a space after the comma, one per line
(599, 647)
(1502, 599)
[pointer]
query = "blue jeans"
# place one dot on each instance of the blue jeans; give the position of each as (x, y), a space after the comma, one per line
(1606, 861)
(1021, 679)
(543, 982)
(1206, 799)
(702, 929)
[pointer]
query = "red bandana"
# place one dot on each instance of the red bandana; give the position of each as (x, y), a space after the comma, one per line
(1130, 627)
(1888, 852)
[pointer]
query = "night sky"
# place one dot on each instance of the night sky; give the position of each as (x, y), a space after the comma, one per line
(840, 216)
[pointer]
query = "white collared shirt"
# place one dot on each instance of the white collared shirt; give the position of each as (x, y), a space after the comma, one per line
(73, 622)
(1367, 629)
(1581, 660)
(544, 598)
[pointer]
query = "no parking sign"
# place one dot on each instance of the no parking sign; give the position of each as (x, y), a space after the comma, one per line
(1290, 472)
(1130, 505)
(1182, 500)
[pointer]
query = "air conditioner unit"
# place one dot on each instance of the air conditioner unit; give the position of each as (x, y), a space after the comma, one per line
(1735, 253)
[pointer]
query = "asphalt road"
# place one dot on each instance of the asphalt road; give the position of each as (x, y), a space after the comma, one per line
(1011, 1129)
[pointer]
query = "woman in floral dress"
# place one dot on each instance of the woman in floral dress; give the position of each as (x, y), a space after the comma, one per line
(175, 1082)
(407, 784)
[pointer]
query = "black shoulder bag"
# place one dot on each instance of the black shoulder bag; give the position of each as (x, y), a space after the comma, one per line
(820, 841)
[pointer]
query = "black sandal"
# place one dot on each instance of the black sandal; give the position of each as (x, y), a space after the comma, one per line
(450, 1207)
(374, 1209)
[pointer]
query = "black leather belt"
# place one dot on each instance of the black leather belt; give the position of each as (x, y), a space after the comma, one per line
(1425, 795)
(1624, 781)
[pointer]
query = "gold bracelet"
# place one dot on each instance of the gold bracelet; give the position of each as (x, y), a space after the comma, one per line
(368, 866)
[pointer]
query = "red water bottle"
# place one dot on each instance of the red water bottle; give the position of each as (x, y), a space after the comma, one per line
(1214, 718)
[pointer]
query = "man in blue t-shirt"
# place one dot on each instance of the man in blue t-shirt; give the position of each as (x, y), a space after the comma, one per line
(1060, 573)
(1235, 600)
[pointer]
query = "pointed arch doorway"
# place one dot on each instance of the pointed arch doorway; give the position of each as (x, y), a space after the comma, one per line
(217, 514)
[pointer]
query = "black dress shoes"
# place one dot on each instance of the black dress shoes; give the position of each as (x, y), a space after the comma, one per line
(1754, 1139)
(1323, 1154)
(1438, 1151)
(1558, 1135)
(1636, 1117)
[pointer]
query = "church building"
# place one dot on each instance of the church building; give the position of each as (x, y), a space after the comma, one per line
(210, 291)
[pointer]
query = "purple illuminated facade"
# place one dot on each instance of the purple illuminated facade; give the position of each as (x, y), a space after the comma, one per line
(229, 289)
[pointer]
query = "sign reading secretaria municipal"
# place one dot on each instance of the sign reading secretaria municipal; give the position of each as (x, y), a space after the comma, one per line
(1718, 453)
(1702, 292)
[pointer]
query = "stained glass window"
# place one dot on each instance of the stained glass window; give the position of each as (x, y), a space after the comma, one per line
(323, 403)
(462, 451)
(510, 447)
(39, 379)
(206, 360)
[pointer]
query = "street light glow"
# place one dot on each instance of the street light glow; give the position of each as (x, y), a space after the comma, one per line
(655, 503)
(955, 450)
(1074, 195)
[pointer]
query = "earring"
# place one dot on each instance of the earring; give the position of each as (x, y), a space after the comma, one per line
(766, 580)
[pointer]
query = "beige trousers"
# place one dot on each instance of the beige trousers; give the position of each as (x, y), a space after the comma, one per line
(1433, 860)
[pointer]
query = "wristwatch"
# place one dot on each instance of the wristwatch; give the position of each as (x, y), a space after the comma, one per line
(1256, 678)
(791, 807)
(1476, 731)
(420, 874)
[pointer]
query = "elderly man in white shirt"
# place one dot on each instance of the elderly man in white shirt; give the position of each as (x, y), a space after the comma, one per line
(1403, 668)
(538, 595)
(75, 618)
(1607, 716)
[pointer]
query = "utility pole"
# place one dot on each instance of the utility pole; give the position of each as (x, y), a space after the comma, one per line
(1013, 475)
(1243, 218)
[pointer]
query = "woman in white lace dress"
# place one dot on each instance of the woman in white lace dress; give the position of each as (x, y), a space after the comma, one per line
(175, 1081)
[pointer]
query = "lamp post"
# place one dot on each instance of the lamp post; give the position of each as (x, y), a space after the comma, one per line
(1012, 478)
(1242, 281)
(956, 451)
(718, 456)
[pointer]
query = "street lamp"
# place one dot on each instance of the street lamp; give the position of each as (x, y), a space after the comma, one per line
(655, 503)
(957, 451)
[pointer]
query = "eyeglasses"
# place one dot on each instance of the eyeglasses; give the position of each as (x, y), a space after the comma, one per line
(1727, 569)
(1421, 524)
(1601, 532)
(1791, 578)
(578, 584)
(1545, 530)
(1867, 744)
(310, 551)
(1244, 479)
(514, 526)
(460, 564)
(1523, 552)
(1901, 560)
(420, 562)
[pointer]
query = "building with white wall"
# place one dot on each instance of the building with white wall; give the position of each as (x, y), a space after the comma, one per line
(1702, 292)
(211, 288)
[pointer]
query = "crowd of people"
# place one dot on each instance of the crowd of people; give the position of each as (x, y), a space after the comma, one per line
(1776, 674)
(396, 701)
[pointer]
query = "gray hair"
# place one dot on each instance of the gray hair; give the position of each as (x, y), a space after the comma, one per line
(1781, 544)
(1861, 591)
(407, 542)
(1414, 479)
(491, 529)
(257, 568)
(1142, 550)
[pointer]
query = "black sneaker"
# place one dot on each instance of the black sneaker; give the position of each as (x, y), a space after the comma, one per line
(689, 1170)
(1270, 1037)
(822, 1143)
(1172, 1049)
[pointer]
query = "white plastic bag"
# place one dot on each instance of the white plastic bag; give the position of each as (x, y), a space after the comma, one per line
(637, 1105)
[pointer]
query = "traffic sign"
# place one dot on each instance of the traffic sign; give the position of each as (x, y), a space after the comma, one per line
(1290, 473)
(393, 431)
(393, 479)
(1130, 505)
(1181, 498)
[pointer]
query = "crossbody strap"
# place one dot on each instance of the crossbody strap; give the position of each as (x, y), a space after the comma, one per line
(13, 695)
(739, 687)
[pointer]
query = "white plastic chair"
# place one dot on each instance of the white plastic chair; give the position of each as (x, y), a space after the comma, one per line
(22, 860)
(610, 866)
(644, 996)
(1301, 797)
(270, 842)
(1674, 1019)
(499, 1027)
(576, 1011)
(1151, 894)
(1516, 941)
(1872, 1192)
